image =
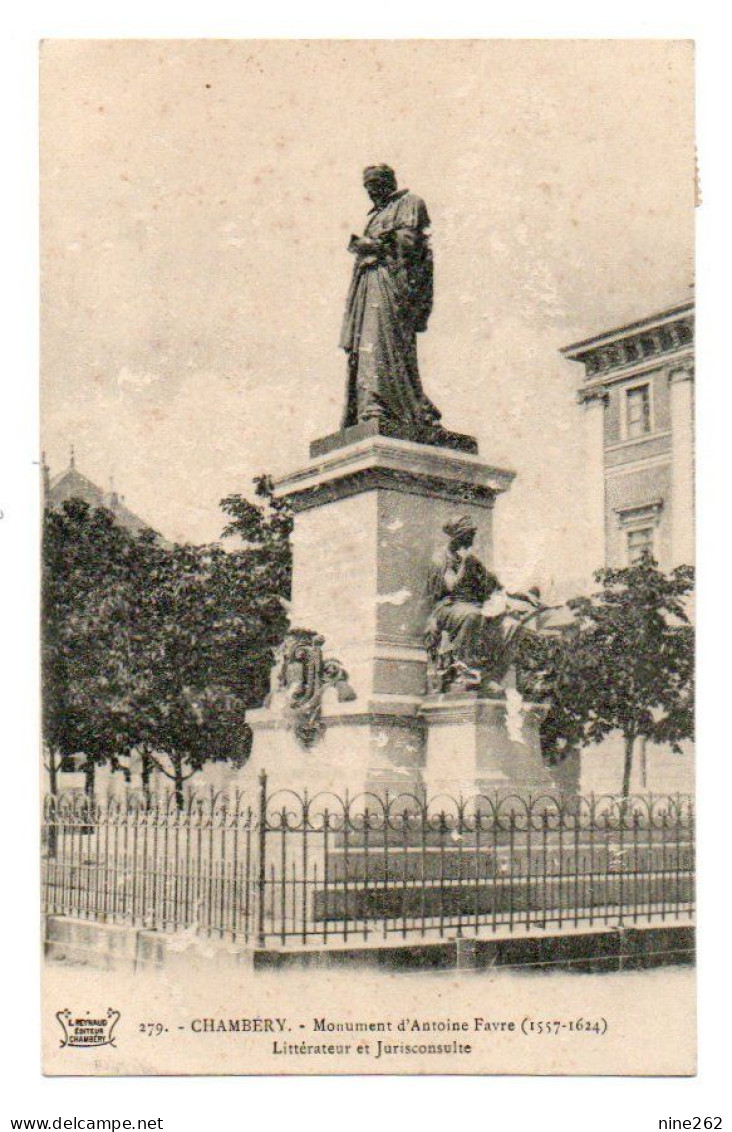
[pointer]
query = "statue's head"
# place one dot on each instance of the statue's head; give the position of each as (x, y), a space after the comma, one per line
(461, 531)
(380, 182)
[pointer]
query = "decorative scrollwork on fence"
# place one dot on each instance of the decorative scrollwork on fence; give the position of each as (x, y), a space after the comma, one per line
(288, 865)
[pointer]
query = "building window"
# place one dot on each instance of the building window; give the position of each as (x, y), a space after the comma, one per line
(637, 411)
(639, 541)
(638, 524)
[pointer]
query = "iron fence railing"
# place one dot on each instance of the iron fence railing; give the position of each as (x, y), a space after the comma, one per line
(286, 868)
(145, 861)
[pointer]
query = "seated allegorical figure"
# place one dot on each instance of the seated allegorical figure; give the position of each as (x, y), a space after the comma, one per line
(474, 624)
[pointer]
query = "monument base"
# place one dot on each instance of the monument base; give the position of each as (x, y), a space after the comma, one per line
(439, 438)
(370, 515)
(487, 745)
(369, 520)
(372, 747)
(444, 744)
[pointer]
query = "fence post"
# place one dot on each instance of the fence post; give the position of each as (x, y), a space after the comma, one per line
(262, 857)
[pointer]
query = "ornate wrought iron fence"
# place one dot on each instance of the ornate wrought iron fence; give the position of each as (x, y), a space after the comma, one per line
(132, 860)
(284, 868)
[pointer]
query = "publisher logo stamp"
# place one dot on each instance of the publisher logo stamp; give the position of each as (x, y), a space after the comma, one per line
(87, 1031)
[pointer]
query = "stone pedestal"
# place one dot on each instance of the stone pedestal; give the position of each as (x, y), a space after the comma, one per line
(371, 746)
(491, 745)
(369, 520)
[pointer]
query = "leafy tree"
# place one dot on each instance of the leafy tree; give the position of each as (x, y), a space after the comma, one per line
(545, 675)
(89, 567)
(155, 648)
(203, 657)
(627, 663)
(213, 620)
(264, 530)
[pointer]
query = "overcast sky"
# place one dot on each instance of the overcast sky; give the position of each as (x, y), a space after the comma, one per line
(197, 201)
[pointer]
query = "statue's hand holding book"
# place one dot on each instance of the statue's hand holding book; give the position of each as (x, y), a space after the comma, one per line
(362, 245)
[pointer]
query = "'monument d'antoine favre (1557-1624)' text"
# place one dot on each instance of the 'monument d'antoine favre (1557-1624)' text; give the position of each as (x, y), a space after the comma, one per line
(367, 557)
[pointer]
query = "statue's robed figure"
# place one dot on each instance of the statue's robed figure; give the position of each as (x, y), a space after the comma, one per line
(389, 303)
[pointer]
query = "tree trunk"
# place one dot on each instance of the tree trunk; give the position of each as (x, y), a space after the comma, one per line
(146, 774)
(52, 773)
(628, 764)
(90, 768)
(178, 780)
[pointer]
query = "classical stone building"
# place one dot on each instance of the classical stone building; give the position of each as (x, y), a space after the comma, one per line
(637, 405)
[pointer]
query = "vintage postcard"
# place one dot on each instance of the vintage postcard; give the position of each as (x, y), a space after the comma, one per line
(368, 557)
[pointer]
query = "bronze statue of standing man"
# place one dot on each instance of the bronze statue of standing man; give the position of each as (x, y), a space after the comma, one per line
(389, 303)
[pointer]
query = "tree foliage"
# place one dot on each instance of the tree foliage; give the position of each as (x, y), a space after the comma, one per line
(626, 663)
(156, 648)
(264, 529)
(90, 567)
(546, 676)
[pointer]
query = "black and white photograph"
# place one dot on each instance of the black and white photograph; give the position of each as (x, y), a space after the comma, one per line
(367, 549)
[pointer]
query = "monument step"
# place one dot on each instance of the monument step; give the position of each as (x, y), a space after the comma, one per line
(471, 863)
(586, 840)
(501, 898)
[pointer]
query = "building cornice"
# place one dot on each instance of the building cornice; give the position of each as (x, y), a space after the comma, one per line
(673, 361)
(621, 353)
(593, 394)
(633, 510)
(681, 372)
(623, 445)
(617, 334)
(383, 463)
(630, 467)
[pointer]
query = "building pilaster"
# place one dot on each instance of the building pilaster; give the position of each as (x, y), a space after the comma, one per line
(594, 402)
(681, 380)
